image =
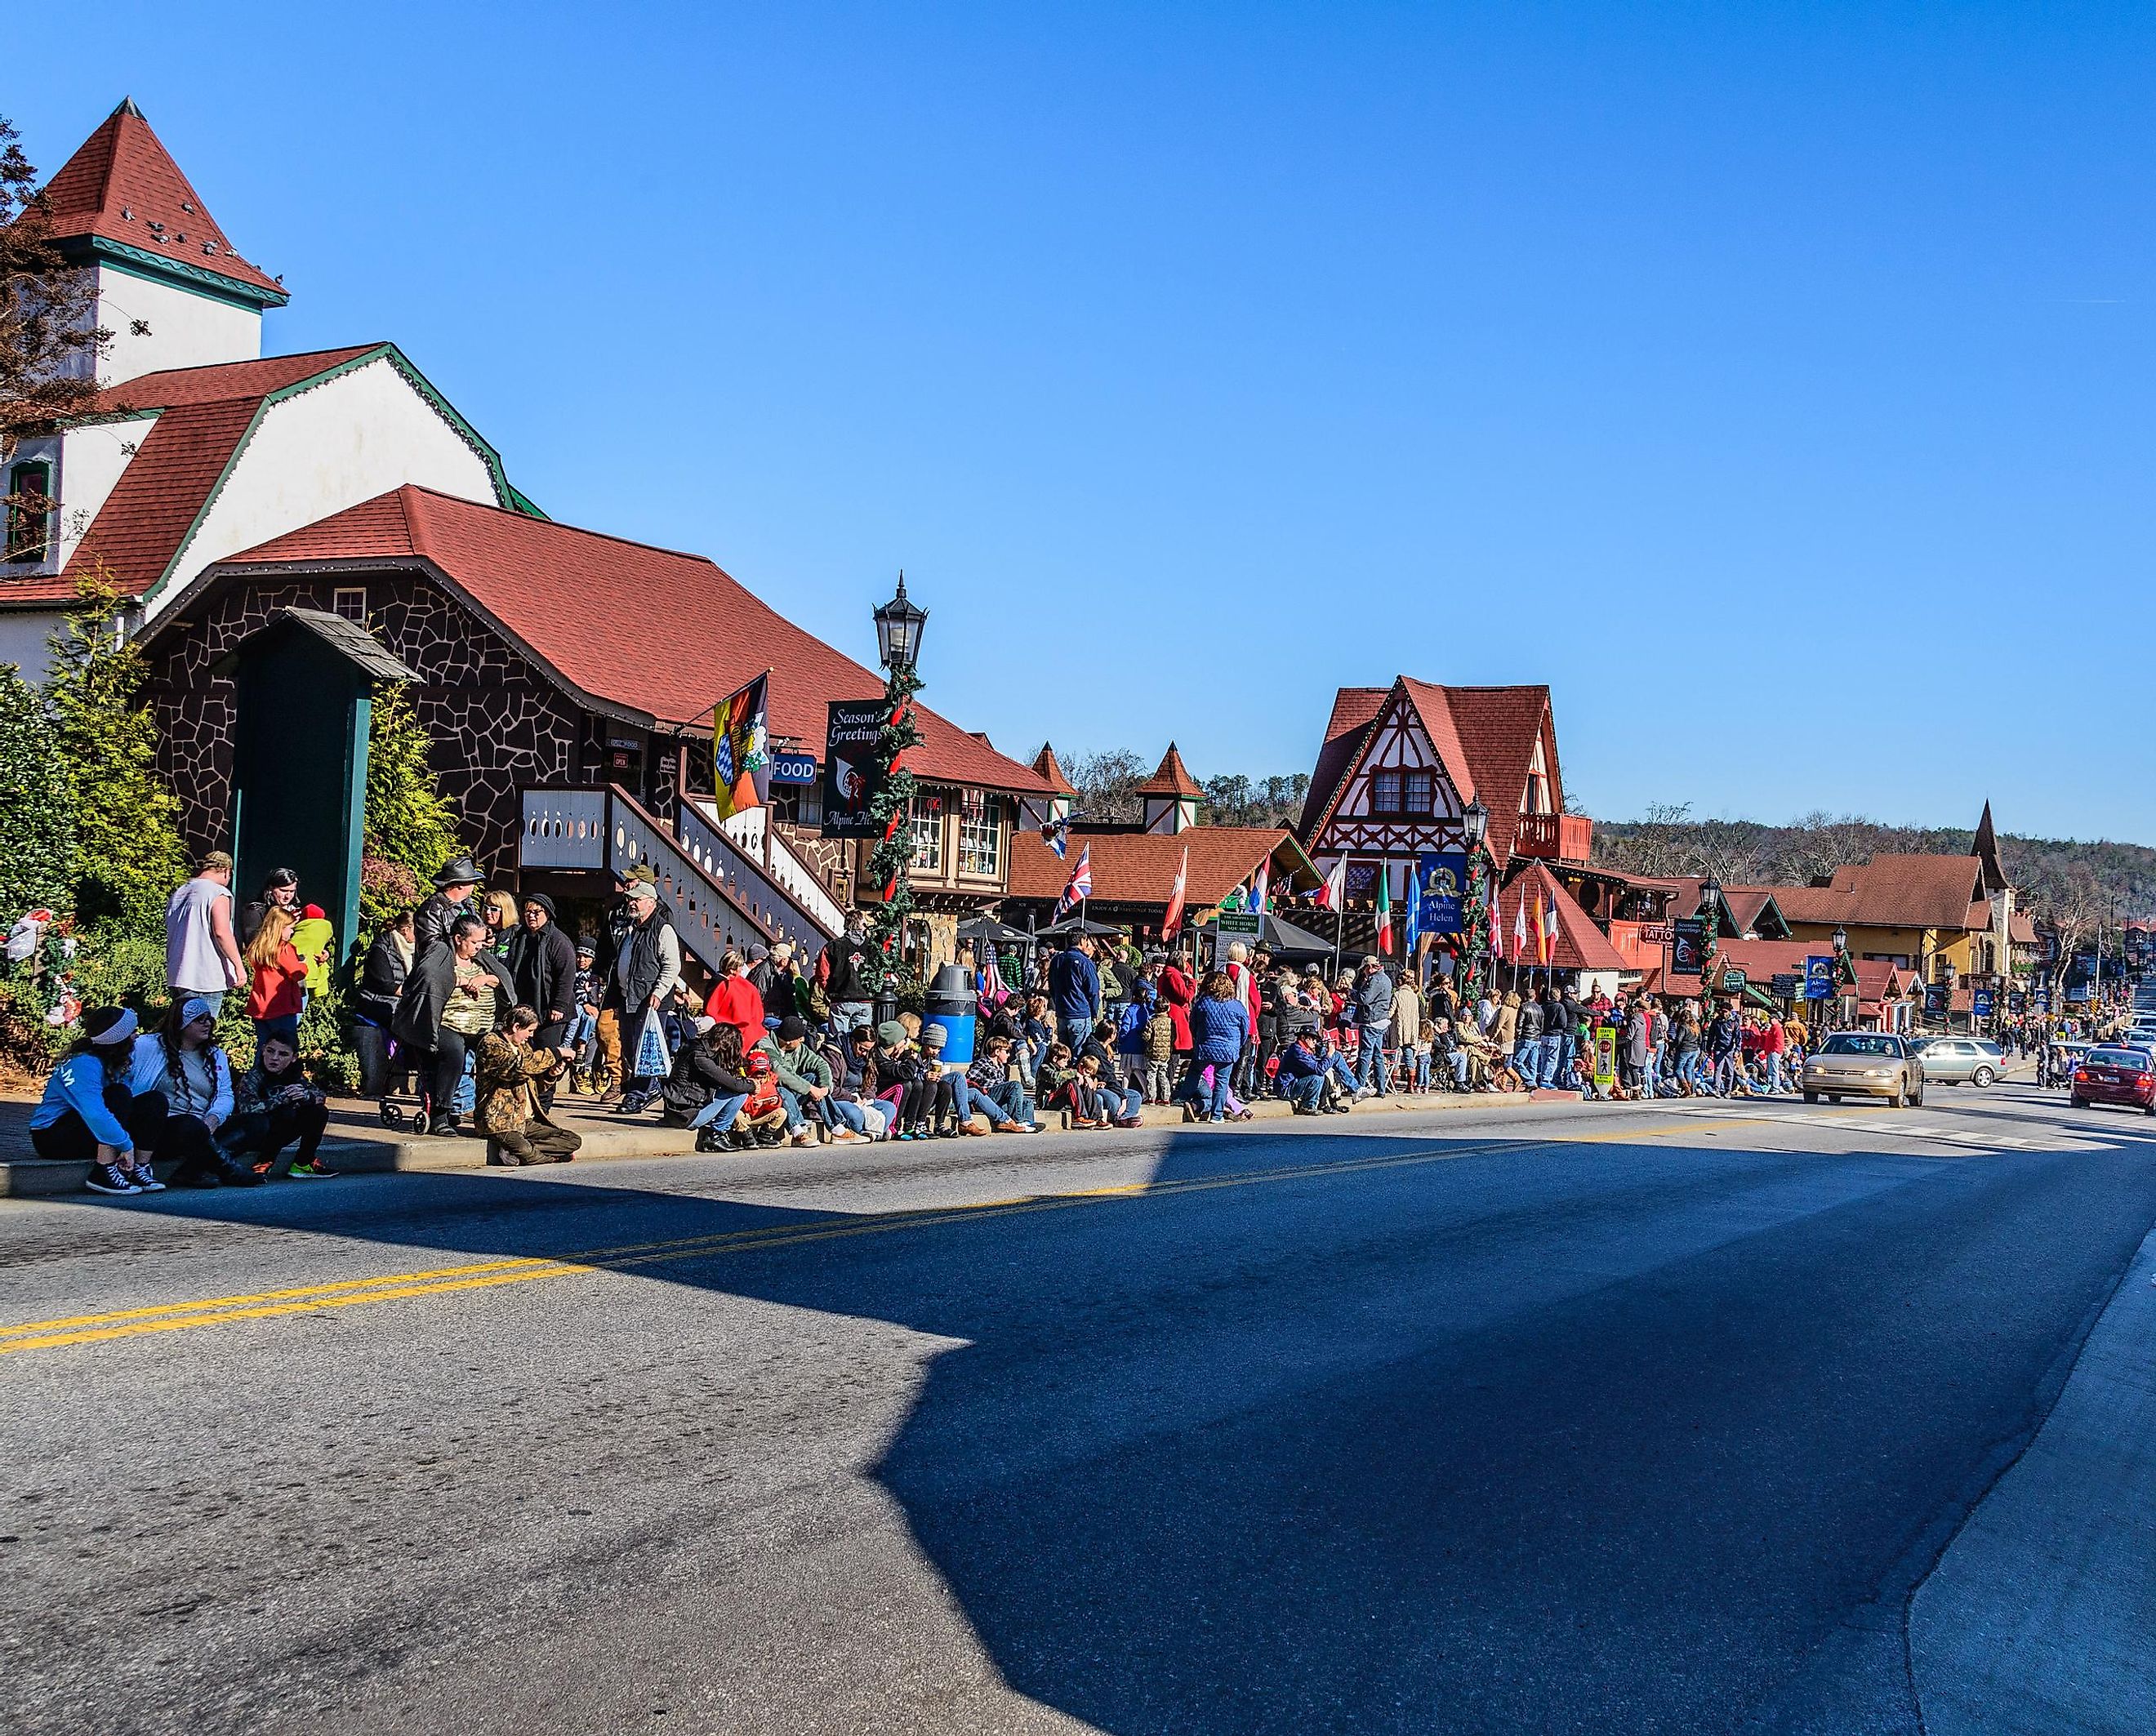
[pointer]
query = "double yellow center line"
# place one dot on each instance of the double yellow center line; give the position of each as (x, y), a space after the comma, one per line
(493, 1274)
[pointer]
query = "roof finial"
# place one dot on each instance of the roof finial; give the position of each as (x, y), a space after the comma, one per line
(127, 107)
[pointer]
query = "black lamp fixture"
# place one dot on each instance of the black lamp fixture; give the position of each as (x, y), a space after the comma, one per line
(898, 632)
(1710, 895)
(1840, 940)
(1475, 823)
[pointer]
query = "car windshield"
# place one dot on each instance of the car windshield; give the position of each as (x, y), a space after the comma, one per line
(2134, 1058)
(1854, 1043)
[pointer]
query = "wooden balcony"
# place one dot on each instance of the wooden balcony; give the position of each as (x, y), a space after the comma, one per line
(1554, 837)
(1639, 944)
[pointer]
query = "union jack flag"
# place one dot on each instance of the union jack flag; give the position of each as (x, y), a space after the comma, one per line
(1080, 884)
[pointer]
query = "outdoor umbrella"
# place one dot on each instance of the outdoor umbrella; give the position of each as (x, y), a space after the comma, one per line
(1076, 925)
(995, 933)
(1283, 937)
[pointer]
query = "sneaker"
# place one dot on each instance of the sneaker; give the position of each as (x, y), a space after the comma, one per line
(313, 1170)
(110, 1178)
(146, 1180)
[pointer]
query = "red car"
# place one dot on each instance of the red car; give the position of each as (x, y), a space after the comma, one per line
(2124, 1076)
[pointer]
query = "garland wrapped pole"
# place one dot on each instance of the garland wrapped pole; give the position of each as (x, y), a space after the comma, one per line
(898, 646)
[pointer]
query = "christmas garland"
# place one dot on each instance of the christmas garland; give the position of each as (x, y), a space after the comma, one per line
(893, 806)
(1477, 934)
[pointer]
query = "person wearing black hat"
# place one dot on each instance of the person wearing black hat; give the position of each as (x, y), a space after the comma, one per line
(614, 929)
(450, 899)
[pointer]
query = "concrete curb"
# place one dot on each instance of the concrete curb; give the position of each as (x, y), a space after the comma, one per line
(606, 1138)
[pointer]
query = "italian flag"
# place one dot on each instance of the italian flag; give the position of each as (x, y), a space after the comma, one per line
(1384, 908)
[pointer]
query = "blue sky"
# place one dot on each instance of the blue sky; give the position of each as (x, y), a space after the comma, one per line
(1773, 382)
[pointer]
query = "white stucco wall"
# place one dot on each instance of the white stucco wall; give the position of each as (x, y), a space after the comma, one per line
(91, 461)
(186, 330)
(361, 435)
(22, 635)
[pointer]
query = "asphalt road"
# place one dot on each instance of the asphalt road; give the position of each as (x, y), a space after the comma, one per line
(1628, 1418)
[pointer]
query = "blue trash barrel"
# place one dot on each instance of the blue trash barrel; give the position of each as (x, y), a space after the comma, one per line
(949, 1006)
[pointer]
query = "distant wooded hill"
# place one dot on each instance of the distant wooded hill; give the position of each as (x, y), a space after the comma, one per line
(2069, 882)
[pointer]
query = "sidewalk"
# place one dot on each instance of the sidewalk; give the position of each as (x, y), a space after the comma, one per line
(358, 1144)
(2037, 1619)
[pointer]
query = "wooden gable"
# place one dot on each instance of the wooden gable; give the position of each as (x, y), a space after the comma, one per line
(1397, 797)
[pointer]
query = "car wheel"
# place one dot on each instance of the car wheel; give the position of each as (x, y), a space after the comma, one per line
(1812, 1096)
(2077, 1102)
(1834, 1097)
(1917, 1098)
(1900, 1100)
(1982, 1076)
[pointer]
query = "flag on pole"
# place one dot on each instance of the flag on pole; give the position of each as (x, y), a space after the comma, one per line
(1520, 929)
(741, 750)
(1332, 893)
(1385, 907)
(1549, 932)
(1172, 923)
(1411, 910)
(1056, 834)
(1543, 915)
(1080, 884)
(1260, 883)
(1496, 917)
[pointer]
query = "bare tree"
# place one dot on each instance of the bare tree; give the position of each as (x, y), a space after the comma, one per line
(49, 341)
(1107, 786)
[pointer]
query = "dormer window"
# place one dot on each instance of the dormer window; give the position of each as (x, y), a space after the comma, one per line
(29, 511)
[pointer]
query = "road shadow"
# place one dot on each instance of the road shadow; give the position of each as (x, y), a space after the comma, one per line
(1361, 1432)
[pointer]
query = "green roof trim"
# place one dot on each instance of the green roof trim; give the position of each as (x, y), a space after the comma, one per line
(503, 496)
(525, 504)
(140, 262)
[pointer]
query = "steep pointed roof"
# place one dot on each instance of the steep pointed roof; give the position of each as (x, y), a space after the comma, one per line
(1985, 850)
(1172, 779)
(1051, 771)
(122, 193)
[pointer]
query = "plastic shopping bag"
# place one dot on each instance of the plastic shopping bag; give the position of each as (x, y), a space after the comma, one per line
(653, 1061)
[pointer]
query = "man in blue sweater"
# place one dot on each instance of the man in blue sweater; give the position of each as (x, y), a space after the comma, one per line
(1074, 992)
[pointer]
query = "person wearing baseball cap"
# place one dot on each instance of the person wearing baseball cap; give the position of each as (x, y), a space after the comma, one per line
(202, 952)
(646, 967)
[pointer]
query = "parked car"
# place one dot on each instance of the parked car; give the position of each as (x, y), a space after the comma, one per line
(1962, 1060)
(1864, 1064)
(2110, 1075)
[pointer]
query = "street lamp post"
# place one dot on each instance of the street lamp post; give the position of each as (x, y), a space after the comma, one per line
(1841, 938)
(1474, 827)
(1710, 909)
(898, 625)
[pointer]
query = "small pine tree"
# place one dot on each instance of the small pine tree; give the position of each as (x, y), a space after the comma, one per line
(128, 855)
(37, 834)
(411, 827)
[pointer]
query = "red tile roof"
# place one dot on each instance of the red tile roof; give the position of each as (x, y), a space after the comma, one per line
(205, 413)
(1580, 945)
(1890, 891)
(1139, 867)
(123, 186)
(1354, 710)
(1172, 777)
(649, 630)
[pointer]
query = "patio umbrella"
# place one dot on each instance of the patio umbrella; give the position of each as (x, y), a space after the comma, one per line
(1076, 925)
(995, 933)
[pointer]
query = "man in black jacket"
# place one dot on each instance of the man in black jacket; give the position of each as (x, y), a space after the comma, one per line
(451, 898)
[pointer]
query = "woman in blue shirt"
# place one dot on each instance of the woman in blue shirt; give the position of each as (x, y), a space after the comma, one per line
(1219, 1028)
(90, 1115)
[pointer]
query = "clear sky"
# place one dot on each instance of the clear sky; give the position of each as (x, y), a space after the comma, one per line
(1774, 382)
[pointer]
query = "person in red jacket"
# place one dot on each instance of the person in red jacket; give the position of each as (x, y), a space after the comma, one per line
(735, 1002)
(1177, 990)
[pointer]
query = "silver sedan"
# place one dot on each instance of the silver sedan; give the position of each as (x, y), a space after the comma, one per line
(1964, 1061)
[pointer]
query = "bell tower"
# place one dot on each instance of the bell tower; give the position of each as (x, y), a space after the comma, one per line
(169, 285)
